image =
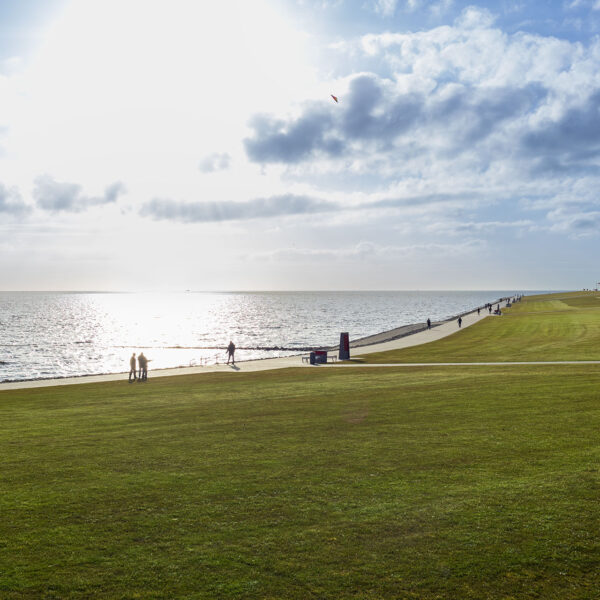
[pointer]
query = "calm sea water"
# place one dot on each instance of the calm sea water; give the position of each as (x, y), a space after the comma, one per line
(45, 335)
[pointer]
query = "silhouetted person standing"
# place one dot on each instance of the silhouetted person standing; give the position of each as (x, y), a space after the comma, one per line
(428, 323)
(143, 363)
(132, 368)
(230, 352)
(460, 321)
(478, 311)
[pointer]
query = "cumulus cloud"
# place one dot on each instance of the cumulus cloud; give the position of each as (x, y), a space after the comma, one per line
(276, 140)
(56, 196)
(482, 111)
(215, 162)
(451, 87)
(461, 108)
(207, 212)
(11, 202)
(474, 17)
(318, 131)
(376, 116)
(439, 8)
(386, 8)
(570, 141)
(372, 115)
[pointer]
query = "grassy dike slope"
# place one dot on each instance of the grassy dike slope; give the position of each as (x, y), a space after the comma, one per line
(437, 482)
(562, 326)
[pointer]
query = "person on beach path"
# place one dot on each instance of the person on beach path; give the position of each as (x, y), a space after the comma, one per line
(230, 352)
(460, 321)
(490, 309)
(143, 364)
(428, 323)
(478, 311)
(132, 368)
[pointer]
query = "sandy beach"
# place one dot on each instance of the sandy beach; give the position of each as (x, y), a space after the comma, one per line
(402, 337)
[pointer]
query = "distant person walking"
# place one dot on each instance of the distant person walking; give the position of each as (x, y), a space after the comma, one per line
(460, 322)
(132, 370)
(490, 309)
(231, 352)
(428, 323)
(478, 311)
(143, 365)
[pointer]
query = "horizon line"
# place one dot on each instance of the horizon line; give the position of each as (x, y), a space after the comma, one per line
(286, 291)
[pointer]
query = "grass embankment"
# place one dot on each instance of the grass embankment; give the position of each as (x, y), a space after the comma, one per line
(414, 483)
(554, 327)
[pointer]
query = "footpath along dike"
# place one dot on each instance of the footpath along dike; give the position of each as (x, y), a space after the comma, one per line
(406, 330)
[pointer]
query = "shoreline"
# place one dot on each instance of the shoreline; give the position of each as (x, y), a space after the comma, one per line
(404, 336)
(410, 329)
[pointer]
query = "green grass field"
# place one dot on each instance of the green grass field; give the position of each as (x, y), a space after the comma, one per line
(431, 482)
(555, 327)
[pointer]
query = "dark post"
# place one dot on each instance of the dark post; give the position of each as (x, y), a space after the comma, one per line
(344, 353)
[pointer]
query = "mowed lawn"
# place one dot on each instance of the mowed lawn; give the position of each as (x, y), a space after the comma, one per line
(434, 482)
(562, 326)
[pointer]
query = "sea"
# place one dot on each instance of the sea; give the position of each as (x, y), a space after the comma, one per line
(66, 334)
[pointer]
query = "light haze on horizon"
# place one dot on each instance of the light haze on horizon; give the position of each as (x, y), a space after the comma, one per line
(154, 145)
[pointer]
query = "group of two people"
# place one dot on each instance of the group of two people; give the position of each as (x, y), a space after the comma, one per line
(459, 321)
(140, 374)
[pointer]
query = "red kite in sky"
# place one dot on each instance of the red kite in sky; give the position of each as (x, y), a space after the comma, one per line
(334, 97)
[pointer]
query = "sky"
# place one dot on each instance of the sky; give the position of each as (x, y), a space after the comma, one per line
(175, 145)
